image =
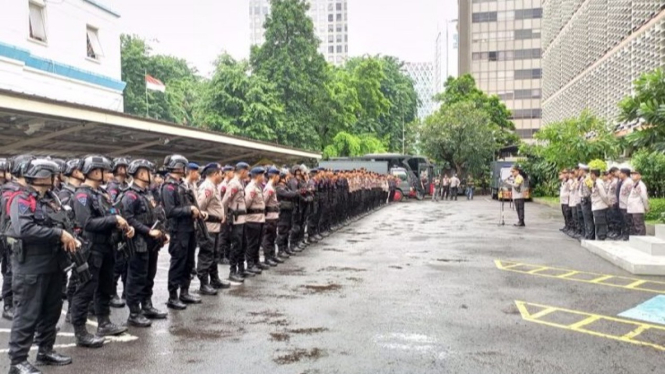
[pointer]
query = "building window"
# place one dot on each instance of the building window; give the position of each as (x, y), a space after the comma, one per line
(526, 113)
(529, 13)
(339, 49)
(37, 22)
(346, 37)
(94, 47)
(339, 17)
(331, 28)
(331, 49)
(338, 6)
(331, 18)
(346, 48)
(339, 38)
(527, 94)
(339, 28)
(528, 74)
(331, 38)
(484, 17)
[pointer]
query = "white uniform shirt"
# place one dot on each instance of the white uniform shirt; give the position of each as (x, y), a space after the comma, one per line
(638, 200)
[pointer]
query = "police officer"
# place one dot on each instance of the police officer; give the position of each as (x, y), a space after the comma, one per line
(13, 187)
(37, 263)
(254, 220)
(272, 218)
(210, 202)
(314, 212)
(517, 184)
(138, 209)
(114, 188)
(586, 185)
(182, 247)
(225, 240)
(599, 205)
(234, 203)
(101, 224)
(285, 197)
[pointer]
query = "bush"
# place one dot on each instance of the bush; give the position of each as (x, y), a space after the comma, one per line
(656, 210)
(652, 167)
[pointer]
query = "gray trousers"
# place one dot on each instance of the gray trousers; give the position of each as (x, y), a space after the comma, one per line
(626, 224)
(601, 223)
(639, 228)
(587, 215)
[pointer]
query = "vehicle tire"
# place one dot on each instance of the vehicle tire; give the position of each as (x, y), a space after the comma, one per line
(420, 195)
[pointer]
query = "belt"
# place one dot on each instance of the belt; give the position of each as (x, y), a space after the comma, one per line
(39, 250)
(255, 211)
(213, 219)
(238, 212)
(272, 209)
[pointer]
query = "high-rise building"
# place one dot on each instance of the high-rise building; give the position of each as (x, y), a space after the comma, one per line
(331, 26)
(594, 50)
(422, 74)
(499, 45)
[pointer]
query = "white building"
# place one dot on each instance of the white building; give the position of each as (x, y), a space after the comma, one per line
(64, 50)
(446, 55)
(422, 74)
(331, 26)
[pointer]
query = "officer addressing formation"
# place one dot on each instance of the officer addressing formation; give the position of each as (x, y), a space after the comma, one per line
(73, 229)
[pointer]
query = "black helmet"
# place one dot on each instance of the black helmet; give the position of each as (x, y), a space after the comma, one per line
(92, 162)
(135, 165)
(72, 165)
(60, 162)
(19, 164)
(4, 164)
(173, 162)
(41, 168)
(119, 161)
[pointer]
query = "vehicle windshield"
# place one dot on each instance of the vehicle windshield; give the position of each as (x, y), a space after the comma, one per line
(401, 175)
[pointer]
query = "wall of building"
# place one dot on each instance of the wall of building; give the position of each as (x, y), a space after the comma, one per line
(422, 74)
(59, 67)
(593, 50)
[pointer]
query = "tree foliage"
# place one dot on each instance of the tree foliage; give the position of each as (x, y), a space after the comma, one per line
(647, 105)
(652, 166)
(349, 145)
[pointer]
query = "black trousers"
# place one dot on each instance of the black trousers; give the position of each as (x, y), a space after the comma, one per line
(453, 193)
(601, 223)
(283, 229)
(565, 210)
(519, 207)
(237, 255)
(253, 237)
(224, 240)
(100, 287)
(137, 278)
(573, 219)
(182, 249)
(313, 220)
(120, 272)
(269, 236)
(587, 216)
(38, 301)
(208, 257)
(627, 224)
(639, 228)
(6, 267)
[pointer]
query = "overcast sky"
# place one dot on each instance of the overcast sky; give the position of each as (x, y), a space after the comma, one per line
(199, 30)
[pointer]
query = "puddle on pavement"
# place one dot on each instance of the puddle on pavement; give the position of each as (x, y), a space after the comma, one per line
(279, 337)
(335, 268)
(452, 260)
(207, 334)
(295, 355)
(395, 267)
(308, 331)
(318, 288)
(267, 313)
(332, 250)
(354, 279)
(293, 271)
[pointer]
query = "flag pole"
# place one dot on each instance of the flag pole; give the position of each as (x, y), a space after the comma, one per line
(145, 80)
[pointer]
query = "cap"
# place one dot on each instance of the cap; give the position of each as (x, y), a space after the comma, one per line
(625, 171)
(228, 168)
(193, 166)
(583, 167)
(256, 171)
(242, 166)
(636, 171)
(273, 171)
(211, 167)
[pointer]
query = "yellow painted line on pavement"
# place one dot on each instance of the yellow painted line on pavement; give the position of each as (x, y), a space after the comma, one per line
(587, 320)
(628, 283)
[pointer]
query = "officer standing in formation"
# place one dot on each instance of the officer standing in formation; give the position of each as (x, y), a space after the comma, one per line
(279, 214)
(114, 188)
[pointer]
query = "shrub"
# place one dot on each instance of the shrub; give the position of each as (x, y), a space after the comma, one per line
(656, 209)
(652, 167)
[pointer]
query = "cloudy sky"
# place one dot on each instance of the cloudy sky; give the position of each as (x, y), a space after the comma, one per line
(199, 30)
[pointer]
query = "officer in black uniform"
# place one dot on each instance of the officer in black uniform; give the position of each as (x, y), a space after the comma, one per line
(101, 227)
(182, 247)
(17, 166)
(285, 196)
(138, 208)
(114, 188)
(38, 262)
(313, 216)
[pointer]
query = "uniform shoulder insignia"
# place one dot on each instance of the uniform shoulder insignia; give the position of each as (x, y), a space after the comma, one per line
(82, 198)
(208, 193)
(132, 195)
(252, 194)
(170, 187)
(234, 190)
(25, 204)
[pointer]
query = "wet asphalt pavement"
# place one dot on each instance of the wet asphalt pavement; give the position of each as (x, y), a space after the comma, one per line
(412, 288)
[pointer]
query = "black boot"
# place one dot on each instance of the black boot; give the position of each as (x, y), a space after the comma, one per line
(318, 237)
(219, 284)
(206, 289)
(107, 328)
(52, 358)
(136, 318)
(23, 368)
(277, 260)
(174, 302)
(283, 255)
(188, 298)
(116, 302)
(236, 278)
(254, 269)
(262, 266)
(8, 312)
(86, 339)
(151, 312)
(271, 262)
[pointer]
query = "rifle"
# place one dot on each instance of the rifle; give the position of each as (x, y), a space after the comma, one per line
(163, 238)
(127, 247)
(199, 223)
(79, 259)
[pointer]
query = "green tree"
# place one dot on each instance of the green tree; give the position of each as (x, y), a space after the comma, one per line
(348, 145)
(461, 135)
(647, 104)
(239, 103)
(289, 59)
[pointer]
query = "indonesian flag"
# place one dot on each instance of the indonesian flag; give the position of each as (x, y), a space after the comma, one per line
(152, 83)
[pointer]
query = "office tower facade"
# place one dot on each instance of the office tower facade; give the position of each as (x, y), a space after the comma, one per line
(500, 46)
(593, 50)
(422, 74)
(446, 55)
(331, 26)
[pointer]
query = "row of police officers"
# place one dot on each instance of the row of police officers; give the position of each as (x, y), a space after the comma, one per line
(68, 232)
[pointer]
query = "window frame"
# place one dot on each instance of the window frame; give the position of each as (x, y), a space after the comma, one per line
(41, 8)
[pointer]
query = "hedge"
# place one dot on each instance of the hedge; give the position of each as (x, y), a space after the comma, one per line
(656, 209)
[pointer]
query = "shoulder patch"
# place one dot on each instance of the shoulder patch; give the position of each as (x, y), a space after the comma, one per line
(252, 194)
(234, 190)
(208, 193)
(132, 195)
(25, 205)
(82, 198)
(170, 187)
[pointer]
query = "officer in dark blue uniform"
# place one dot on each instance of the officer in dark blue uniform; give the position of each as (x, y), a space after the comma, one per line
(114, 188)
(182, 247)
(102, 227)
(12, 187)
(38, 262)
(138, 209)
